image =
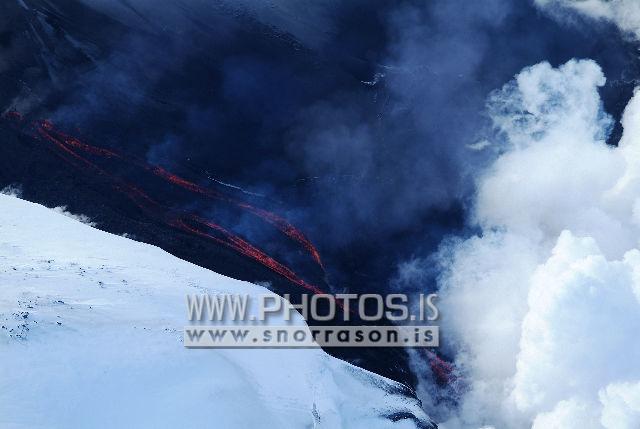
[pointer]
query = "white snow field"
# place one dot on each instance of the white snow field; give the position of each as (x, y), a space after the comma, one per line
(91, 337)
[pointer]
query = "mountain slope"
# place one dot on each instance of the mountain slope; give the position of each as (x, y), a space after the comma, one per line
(91, 337)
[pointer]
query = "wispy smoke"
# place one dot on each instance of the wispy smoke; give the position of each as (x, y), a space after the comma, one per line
(543, 307)
(12, 191)
(393, 157)
(624, 13)
(79, 217)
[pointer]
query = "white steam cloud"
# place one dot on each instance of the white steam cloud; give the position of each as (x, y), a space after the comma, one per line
(624, 13)
(79, 217)
(543, 307)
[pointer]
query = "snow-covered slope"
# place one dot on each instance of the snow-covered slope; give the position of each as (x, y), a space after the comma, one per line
(92, 337)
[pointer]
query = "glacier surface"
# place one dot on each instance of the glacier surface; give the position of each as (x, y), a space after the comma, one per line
(92, 337)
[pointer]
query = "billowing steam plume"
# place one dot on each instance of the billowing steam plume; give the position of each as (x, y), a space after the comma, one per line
(542, 307)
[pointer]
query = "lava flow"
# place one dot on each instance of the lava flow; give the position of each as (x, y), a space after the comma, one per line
(443, 371)
(245, 248)
(75, 152)
(287, 229)
(280, 223)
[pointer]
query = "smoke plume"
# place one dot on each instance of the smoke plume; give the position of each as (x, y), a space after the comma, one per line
(542, 307)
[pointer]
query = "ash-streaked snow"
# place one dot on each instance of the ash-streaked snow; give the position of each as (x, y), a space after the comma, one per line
(92, 337)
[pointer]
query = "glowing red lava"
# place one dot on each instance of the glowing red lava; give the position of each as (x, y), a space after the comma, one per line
(179, 181)
(68, 147)
(287, 229)
(279, 222)
(247, 249)
(442, 370)
(12, 115)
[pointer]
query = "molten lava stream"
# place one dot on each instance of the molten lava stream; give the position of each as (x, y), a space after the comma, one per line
(286, 228)
(280, 223)
(248, 250)
(43, 129)
(67, 145)
(442, 370)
